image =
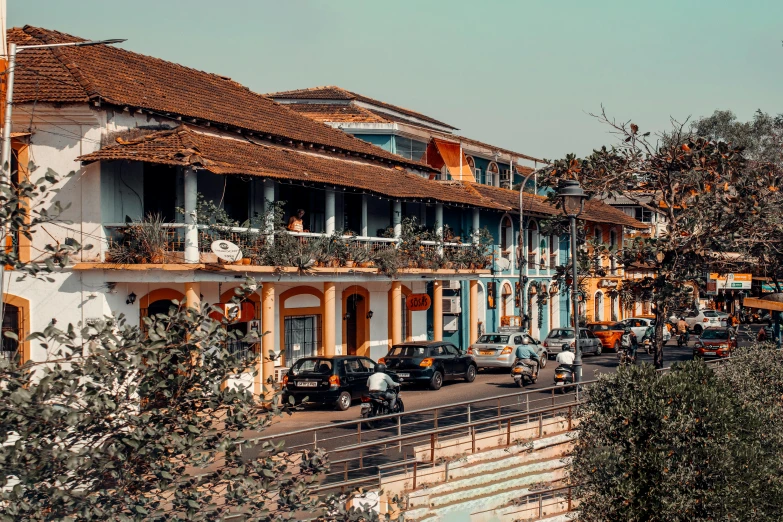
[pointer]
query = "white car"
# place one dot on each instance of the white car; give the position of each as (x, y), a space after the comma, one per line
(698, 321)
(724, 318)
(639, 326)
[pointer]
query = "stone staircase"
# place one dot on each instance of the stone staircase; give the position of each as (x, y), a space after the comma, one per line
(488, 485)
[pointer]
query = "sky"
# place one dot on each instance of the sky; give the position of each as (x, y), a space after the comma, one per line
(519, 74)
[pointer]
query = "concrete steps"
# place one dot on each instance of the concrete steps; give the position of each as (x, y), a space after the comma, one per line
(485, 485)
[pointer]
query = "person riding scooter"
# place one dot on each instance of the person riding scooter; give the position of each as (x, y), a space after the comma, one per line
(379, 382)
(566, 357)
(629, 342)
(682, 329)
(527, 356)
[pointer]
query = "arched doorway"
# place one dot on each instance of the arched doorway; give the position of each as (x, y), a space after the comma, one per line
(615, 302)
(506, 303)
(12, 321)
(506, 237)
(598, 309)
(532, 245)
(356, 321)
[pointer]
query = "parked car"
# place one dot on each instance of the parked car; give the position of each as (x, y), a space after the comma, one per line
(559, 338)
(715, 342)
(335, 380)
(496, 350)
(640, 324)
(723, 317)
(429, 362)
(609, 333)
(699, 320)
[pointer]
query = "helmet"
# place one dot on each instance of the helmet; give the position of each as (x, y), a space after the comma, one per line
(380, 368)
(627, 329)
(567, 348)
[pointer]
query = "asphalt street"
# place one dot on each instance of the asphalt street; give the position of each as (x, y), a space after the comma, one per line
(488, 384)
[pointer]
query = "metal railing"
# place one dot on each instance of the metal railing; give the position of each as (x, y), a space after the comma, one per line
(548, 502)
(409, 444)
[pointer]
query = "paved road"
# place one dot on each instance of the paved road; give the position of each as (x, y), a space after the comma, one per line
(488, 384)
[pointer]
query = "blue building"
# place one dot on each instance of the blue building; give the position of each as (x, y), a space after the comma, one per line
(492, 173)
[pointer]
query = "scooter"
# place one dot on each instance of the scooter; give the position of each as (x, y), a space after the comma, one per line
(376, 405)
(564, 377)
(523, 373)
(625, 357)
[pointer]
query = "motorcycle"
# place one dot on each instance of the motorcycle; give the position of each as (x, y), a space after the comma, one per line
(564, 377)
(376, 405)
(682, 339)
(625, 357)
(521, 372)
(648, 345)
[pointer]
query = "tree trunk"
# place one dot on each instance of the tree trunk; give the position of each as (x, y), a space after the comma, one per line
(660, 324)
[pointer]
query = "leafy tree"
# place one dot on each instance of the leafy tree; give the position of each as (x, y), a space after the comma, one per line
(692, 444)
(125, 424)
(128, 423)
(704, 189)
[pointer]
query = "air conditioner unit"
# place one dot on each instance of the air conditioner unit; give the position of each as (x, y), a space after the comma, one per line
(451, 284)
(451, 305)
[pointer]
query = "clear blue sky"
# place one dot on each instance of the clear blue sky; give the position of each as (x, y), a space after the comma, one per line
(518, 74)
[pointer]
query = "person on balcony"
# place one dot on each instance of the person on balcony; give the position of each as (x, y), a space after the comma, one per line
(295, 223)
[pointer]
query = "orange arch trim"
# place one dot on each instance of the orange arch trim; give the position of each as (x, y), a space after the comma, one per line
(24, 305)
(285, 312)
(161, 294)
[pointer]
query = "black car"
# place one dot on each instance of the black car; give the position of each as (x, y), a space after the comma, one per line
(328, 380)
(429, 362)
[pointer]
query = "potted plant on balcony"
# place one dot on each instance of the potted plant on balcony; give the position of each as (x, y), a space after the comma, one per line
(388, 261)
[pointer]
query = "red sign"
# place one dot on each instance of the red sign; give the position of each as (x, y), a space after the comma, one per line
(418, 302)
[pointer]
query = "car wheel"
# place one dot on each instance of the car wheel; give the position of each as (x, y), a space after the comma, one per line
(437, 381)
(617, 346)
(470, 375)
(542, 362)
(343, 401)
(697, 329)
(600, 349)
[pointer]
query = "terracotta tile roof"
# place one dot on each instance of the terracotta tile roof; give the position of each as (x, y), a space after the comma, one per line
(325, 112)
(332, 92)
(126, 79)
(219, 154)
(595, 211)
(336, 93)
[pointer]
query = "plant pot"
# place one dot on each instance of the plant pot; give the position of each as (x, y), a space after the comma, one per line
(245, 260)
(157, 258)
(365, 264)
(334, 263)
(349, 263)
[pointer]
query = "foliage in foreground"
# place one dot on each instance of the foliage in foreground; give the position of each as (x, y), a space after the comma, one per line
(123, 425)
(696, 443)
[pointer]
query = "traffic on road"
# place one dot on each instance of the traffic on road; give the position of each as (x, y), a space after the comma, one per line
(437, 373)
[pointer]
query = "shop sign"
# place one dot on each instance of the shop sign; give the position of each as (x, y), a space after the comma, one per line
(608, 283)
(418, 302)
(729, 282)
(226, 250)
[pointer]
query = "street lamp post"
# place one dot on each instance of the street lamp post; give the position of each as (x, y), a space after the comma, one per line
(573, 198)
(5, 151)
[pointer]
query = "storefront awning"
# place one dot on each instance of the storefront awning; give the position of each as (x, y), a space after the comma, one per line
(440, 152)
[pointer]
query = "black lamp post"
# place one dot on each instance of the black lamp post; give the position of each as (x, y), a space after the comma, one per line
(573, 198)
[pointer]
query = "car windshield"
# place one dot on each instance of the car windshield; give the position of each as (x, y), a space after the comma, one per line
(407, 351)
(710, 313)
(493, 339)
(715, 334)
(598, 327)
(561, 333)
(320, 366)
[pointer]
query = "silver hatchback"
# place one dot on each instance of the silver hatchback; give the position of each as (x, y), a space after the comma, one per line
(496, 350)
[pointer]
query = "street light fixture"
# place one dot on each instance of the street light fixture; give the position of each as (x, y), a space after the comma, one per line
(5, 151)
(573, 198)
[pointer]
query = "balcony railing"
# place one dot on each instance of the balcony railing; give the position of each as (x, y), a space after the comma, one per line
(253, 241)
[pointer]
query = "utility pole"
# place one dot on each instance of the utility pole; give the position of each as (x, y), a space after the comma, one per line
(5, 151)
